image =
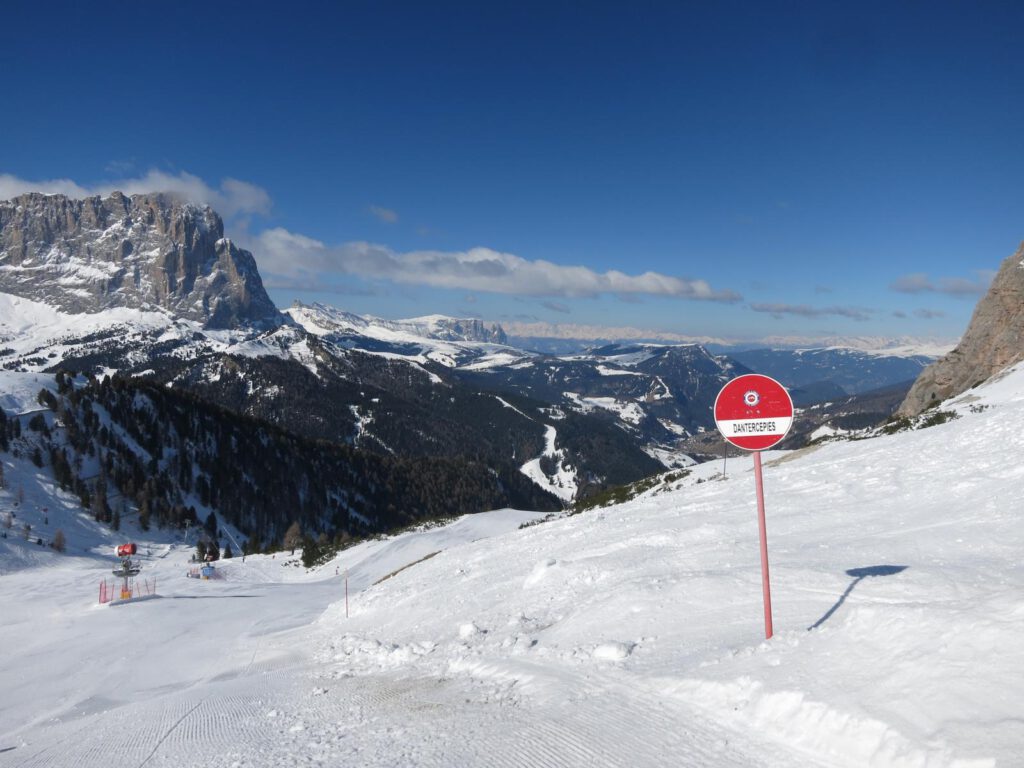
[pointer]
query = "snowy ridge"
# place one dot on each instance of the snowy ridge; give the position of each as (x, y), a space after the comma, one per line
(36, 335)
(448, 341)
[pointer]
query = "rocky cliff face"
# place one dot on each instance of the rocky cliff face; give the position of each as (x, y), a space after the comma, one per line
(453, 329)
(993, 340)
(143, 251)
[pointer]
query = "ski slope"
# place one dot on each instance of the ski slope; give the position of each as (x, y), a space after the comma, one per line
(627, 636)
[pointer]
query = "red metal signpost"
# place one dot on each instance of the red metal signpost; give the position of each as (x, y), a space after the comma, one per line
(755, 412)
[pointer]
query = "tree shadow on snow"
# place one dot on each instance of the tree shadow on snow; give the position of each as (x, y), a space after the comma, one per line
(858, 574)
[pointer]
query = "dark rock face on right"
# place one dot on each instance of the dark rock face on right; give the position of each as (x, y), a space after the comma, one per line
(994, 340)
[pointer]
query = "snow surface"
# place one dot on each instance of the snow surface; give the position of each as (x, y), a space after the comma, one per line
(827, 431)
(628, 411)
(625, 636)
(670, 457)
(30, 328)
(19, 392)
(606, 371)
(563, 483)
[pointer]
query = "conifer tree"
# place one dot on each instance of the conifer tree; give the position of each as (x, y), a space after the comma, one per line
(144, 514)
(310, 551)
(100, 508)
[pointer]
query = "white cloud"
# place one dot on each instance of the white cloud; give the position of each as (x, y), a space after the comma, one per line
(803, 310)
(386, 215)
(11, 186)
(556, 306)
(231, 198)
(919, 282)
(916, 282)
(288, 254)
(530, 326)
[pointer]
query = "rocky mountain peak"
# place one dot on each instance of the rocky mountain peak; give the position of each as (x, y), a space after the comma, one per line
(144, 251)
(456, 329)
(993, 341)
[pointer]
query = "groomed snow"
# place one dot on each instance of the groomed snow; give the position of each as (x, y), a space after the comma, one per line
(626, 636)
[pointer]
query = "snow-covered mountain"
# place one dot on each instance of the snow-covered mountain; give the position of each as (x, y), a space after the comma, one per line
(149, 286)
(325, 319)
(385, 390)
(852, 371)
(447, 341)
(879, 346)
(337, 376)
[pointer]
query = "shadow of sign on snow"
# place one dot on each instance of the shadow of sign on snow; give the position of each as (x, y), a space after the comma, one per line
(858, 574)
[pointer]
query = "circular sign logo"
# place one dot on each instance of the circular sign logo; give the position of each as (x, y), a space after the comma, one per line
(753, 412)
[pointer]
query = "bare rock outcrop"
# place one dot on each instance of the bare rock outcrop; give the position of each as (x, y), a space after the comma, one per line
(143, 252)
(993, 341)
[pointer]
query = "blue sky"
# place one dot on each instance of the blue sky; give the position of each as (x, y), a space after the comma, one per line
(742, 170)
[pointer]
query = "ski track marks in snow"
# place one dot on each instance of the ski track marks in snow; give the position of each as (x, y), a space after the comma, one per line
(297, 718)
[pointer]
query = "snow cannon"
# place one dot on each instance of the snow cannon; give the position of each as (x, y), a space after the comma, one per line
(127, 567)
(126, 550)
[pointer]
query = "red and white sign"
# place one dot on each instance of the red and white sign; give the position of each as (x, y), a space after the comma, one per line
(753, 412)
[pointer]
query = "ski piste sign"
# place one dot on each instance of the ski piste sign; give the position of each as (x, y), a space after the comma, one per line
(753, 412)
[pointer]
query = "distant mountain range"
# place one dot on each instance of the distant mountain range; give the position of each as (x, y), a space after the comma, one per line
(564, 338)
(149, 288)
(845, 371)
